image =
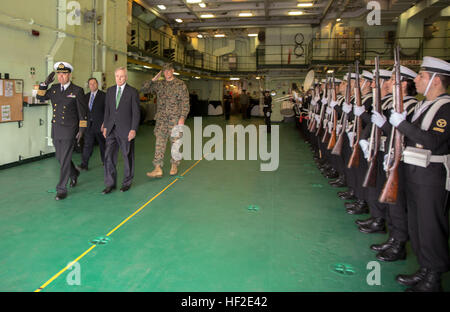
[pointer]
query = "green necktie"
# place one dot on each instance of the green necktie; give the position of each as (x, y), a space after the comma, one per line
(118, 97)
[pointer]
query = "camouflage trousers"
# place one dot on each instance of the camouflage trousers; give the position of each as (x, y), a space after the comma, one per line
(163, 130)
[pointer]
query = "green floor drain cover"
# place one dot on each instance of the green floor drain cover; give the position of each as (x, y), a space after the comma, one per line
(253, 208)
(102, 240)
(343, 269)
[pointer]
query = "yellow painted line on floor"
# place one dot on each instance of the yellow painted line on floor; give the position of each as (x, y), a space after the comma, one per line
(113, 230)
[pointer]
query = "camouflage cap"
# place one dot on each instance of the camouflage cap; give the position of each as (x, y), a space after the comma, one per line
(167, 66)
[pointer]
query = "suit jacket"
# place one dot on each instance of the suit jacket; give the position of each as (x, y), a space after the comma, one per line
(69, 110)
(96, 115)
(127, 116)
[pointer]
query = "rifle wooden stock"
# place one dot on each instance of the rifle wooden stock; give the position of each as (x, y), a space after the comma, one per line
(337, 149)
(390, 190)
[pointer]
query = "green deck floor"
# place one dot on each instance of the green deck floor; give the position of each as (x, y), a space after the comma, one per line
(198, 235)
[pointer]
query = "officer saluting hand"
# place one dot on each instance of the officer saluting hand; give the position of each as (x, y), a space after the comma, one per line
(68, 123)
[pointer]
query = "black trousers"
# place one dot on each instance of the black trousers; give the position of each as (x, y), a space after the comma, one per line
(113, 144)
(90, 137)
(63, 153)
(267, 113)
(428, 224)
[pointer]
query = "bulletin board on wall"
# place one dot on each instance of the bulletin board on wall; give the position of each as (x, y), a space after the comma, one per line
(11, 100)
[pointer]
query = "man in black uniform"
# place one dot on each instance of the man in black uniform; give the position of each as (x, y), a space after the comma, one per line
(428, 131)
(68, 122)
(95, 113)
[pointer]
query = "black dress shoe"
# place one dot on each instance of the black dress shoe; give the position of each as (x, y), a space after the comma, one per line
(60, 196)
(339, 183)
(396, 251)
(351, 204)
(350, 195)
(377, 226)
(358, 210)
(108, 189)
(412, 279)
(430, 283)
(125, 188)
(82, 167)
(74, 179)
(382, 246)
(364, 222)
(332, 174)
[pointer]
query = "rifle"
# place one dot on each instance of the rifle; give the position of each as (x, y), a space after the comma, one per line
(354, 158)
(322, 112)
(332, 141)
(390, 190)
(340, 141)
(312, 125)
(326, 135)
(370, 180)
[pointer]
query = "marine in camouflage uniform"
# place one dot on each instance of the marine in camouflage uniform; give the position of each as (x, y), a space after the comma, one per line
(172, 109)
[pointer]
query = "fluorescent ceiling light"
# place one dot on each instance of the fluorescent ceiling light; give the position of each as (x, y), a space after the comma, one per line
(175, 73)
(145, 66)
(193, 1)
(219, 35)
(330, 71)
(234, 78)
(207, 15)
(257, 78)
(245, 14)
(305, 5)
(338, 19)
(202, 5)
(161, 6)
(295, 13)
(200, 36)
(197, 77)
(178, 20)
(253, 35)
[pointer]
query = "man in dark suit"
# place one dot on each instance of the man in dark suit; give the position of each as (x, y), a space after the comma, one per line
(95, 113)
(121, 122)
(68, 122)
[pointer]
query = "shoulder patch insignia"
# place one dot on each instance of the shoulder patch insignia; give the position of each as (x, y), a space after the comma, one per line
(438, 129)
(441, 123)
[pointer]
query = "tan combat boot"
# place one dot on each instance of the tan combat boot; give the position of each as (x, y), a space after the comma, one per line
(156, 173)
(173, 170)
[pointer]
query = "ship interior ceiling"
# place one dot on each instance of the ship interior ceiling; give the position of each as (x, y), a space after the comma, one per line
(230, 216)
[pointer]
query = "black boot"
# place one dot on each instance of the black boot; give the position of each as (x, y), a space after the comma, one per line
(430, 283)
(396, 251)
(382, 246)
(377, 226)
(365, 222)
(412, 279)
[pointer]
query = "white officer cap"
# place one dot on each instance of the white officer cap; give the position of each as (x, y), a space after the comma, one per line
(367, 75)
(384, 74)
(434, 65)
(407, 73)
(63, 67)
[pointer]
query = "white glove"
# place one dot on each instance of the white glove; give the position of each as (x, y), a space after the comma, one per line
(330, 126)
(378, 119)
(329, 110)
(365, 148)
(324, 101)
(346, 108)
(317, 118)
(313, 102)
(358, 110)
(333, 104)
(351, 136)
(397, 118)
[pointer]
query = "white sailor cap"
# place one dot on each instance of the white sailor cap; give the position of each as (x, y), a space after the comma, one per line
(407, 73)
(384, 74)
(434, 65)
(367, 75)
(63, 67)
